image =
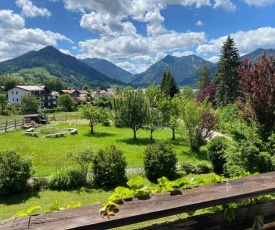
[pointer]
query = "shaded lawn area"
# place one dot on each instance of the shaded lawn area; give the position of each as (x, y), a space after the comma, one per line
(49, 154)
(11, 205)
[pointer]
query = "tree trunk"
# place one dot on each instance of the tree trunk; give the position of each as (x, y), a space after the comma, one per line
(92, 129)
(173, 134)
(151, 135)
(135, 134)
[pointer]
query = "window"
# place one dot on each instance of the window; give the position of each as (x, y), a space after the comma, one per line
(16, 92)
(17, 99)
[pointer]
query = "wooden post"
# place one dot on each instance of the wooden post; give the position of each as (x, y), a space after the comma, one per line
(15, 123)
(6, 126)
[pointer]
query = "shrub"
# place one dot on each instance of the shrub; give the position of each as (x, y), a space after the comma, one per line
(14, 173)
(159, 160)
(67, 179)
(216, 153)
(188, 168)
(109, 166)
(250, 156)
(83, 158)
(38, 183)
(199, 168)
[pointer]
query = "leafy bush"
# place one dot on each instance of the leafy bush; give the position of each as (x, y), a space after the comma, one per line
(216, 153)
(38, 183)
(14, 173)
(67, 179)
(109, 166)
(159, 160)
(249, 155)
(199, 168)
(83, 158)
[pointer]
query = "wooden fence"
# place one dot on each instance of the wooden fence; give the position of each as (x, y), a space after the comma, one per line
(167, 204)
(8, 125)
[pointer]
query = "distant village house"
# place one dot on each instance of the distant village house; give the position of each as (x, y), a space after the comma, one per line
(42, 92)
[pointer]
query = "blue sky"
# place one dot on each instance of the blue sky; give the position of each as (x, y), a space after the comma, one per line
(134, 34)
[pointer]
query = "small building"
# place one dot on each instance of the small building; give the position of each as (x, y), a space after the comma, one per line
(72, 92)
(42, 92)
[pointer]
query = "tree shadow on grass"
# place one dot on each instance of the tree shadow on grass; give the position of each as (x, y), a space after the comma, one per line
(99, 135)
(141, 141)
(18, 198)
(200, 155)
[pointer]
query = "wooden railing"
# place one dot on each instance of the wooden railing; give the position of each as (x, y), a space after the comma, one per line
(5, 126)
(165, 204)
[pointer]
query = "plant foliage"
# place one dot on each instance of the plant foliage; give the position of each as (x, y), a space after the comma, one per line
(109, 166)
(159, 160)
(14, 172)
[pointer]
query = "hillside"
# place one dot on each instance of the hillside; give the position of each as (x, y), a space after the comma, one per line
(69, 69)
(257, 54)
(108, 68)
(184, 69)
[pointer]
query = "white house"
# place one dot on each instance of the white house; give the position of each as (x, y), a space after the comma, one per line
(42, 92)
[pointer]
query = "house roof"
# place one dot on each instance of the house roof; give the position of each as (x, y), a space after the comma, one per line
(31, 87)
(69, 91)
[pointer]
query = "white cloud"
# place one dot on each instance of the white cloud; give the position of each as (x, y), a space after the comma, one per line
(246, 41)
(226, 5)
(127, 46)
(214, 59)
(130, 67)
(155, 21)
(199, 23)
(30, 10)
(182, 54)
(17, 40)
(142, 50)
(65, 52)
(104, 24)
(259, 3)
(9, 20)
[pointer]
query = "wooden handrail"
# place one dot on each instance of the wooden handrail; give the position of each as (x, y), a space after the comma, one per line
(157, 206)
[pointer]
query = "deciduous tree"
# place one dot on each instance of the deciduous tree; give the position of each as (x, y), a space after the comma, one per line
(131, 109)
(65, 101)
(30, 103)
(257, 83)
(94, 114)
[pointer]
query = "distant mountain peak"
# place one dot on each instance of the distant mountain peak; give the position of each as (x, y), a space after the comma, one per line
(169, 59)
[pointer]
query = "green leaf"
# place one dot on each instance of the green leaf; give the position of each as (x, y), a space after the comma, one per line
(181, 182)
(31, 209)
(191, 213)
(163, 181)
(70, 205)
(258, 222)
(21, 213)
(229, 214)
(135, 182)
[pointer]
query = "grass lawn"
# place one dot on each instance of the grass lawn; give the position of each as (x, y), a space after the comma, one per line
(49, 155)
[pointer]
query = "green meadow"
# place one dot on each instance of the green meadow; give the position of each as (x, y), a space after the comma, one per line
(50, 154)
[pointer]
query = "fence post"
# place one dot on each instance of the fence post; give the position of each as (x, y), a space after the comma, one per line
(15, 123)
(6, 126)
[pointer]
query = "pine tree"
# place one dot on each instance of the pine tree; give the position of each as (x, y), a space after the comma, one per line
(227, 78)
(168, 85)
(204, 80)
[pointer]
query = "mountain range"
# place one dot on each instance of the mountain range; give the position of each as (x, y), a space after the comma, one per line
(50, 62)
